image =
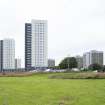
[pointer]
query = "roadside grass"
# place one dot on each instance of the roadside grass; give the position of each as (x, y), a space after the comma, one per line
(38, 89)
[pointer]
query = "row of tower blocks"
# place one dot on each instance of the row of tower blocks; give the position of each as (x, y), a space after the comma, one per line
(36, 50)
(88, 58)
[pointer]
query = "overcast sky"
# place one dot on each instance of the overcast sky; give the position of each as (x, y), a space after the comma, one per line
(74, 26)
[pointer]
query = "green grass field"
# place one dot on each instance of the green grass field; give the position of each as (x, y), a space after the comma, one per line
(39, 90)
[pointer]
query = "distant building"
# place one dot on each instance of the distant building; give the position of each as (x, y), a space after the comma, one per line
(1, 55)
(79, 60)
(8, 54)
(92, 57)
(17, 63)
(36, 44)
(51, 63)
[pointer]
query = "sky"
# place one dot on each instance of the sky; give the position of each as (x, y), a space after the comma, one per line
(74, 26)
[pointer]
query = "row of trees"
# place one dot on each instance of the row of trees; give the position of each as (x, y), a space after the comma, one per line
(70, 62)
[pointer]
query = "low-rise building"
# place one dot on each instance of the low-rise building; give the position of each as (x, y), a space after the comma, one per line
(51, 63)
(79, 60)
(17, 63)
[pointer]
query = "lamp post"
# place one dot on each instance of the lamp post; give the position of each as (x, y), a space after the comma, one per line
(68, 61)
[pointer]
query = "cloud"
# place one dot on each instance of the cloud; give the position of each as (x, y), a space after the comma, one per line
(74, 26)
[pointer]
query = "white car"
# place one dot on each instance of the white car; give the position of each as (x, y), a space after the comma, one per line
(47, 70)
(33, 71)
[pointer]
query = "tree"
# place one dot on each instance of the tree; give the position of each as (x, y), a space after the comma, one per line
(95, 67)
(103, 68)
(68, 63)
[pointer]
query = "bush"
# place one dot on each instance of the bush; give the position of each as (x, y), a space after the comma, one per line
(78, 76)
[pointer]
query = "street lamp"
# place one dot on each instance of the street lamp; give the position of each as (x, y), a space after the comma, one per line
(68, 62)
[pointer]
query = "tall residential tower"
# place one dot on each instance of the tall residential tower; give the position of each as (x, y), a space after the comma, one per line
(36, 44)
(8, 54)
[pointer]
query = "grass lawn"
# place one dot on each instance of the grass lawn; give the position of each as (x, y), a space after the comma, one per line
(39, 90)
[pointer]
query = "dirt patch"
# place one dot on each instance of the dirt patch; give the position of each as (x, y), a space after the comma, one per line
(65, 100)
(15, 74)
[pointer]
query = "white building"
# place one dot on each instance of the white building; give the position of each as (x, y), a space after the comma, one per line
(17, 63)
(92, 57)
(39, 43)
(8, 54)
